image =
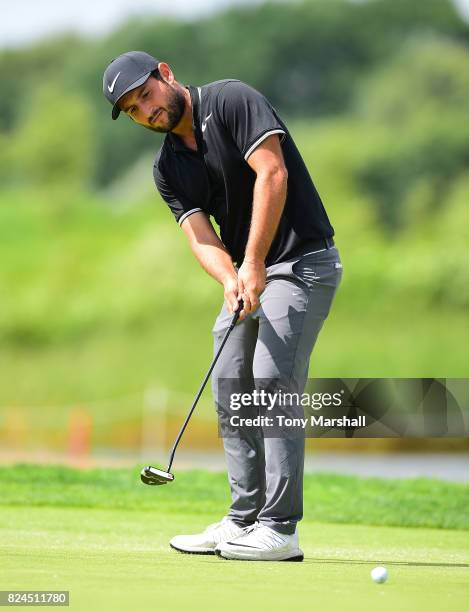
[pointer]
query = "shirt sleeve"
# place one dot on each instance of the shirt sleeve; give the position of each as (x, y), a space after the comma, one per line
(248, 116)
(180, 206)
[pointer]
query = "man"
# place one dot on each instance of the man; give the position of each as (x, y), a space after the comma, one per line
(229, 156)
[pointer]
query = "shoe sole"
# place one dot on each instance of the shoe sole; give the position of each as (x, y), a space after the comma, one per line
(295, 558)
(192, 552)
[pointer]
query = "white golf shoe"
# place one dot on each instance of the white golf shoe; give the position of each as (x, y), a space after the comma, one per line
(260, 543)
(204, 543)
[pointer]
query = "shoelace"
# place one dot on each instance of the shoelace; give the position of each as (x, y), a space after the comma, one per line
(224, 527)
(263, 536)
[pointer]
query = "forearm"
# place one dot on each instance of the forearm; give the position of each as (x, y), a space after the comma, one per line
(270, 191)
(214, 259)
(212, 255)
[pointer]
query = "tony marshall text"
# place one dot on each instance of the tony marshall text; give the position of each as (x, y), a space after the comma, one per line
(283, 421)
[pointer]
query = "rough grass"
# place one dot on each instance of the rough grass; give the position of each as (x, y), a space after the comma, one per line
(328, 497)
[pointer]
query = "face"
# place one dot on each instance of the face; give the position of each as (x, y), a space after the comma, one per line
(157, 105)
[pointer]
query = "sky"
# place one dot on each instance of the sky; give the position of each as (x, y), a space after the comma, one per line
(24, 21)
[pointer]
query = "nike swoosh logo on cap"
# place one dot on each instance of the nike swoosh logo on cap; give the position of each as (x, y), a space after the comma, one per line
(110, 87)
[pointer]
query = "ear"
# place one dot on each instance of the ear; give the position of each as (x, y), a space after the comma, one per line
(166, 72)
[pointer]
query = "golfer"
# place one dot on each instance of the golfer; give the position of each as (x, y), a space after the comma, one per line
(228, 156)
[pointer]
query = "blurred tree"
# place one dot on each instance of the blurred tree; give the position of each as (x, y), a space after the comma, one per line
(24, 69)
(308, 57)
(415, 120)
(53, 144)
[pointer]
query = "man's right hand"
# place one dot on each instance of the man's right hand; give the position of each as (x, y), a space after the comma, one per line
(231, 296)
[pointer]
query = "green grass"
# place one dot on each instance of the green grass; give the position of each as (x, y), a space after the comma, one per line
(339, 499)
(104, 537)
(104, 303)
(94, 312)
(175, 356)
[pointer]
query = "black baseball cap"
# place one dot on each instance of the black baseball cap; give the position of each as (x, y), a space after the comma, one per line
(124, 73)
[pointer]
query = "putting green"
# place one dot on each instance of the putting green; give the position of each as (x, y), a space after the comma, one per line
(113, 560)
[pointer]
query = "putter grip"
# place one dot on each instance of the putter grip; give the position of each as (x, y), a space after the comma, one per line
(237, 313)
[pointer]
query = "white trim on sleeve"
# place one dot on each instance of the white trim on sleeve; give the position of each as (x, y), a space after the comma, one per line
(187, 214)
(261, 139)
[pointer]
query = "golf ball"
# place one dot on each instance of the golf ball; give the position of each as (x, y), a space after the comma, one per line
(379, 574)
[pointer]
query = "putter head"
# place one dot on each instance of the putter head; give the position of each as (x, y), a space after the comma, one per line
(153, 476)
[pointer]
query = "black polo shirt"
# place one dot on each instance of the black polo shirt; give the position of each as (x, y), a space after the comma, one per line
(230, 119)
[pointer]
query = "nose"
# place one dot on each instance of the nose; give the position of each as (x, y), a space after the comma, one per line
(145, 110)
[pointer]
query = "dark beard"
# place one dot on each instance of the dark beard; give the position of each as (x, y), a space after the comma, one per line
(175, 107)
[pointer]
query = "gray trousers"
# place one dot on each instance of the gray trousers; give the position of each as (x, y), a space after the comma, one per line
(274, 342)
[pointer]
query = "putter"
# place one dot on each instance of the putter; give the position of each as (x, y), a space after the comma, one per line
(153, 476)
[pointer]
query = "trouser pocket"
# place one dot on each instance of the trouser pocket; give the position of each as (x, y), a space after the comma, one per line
(323, 268)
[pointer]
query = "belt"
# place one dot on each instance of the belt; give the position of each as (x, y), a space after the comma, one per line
(307, 247)
(316, 245)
